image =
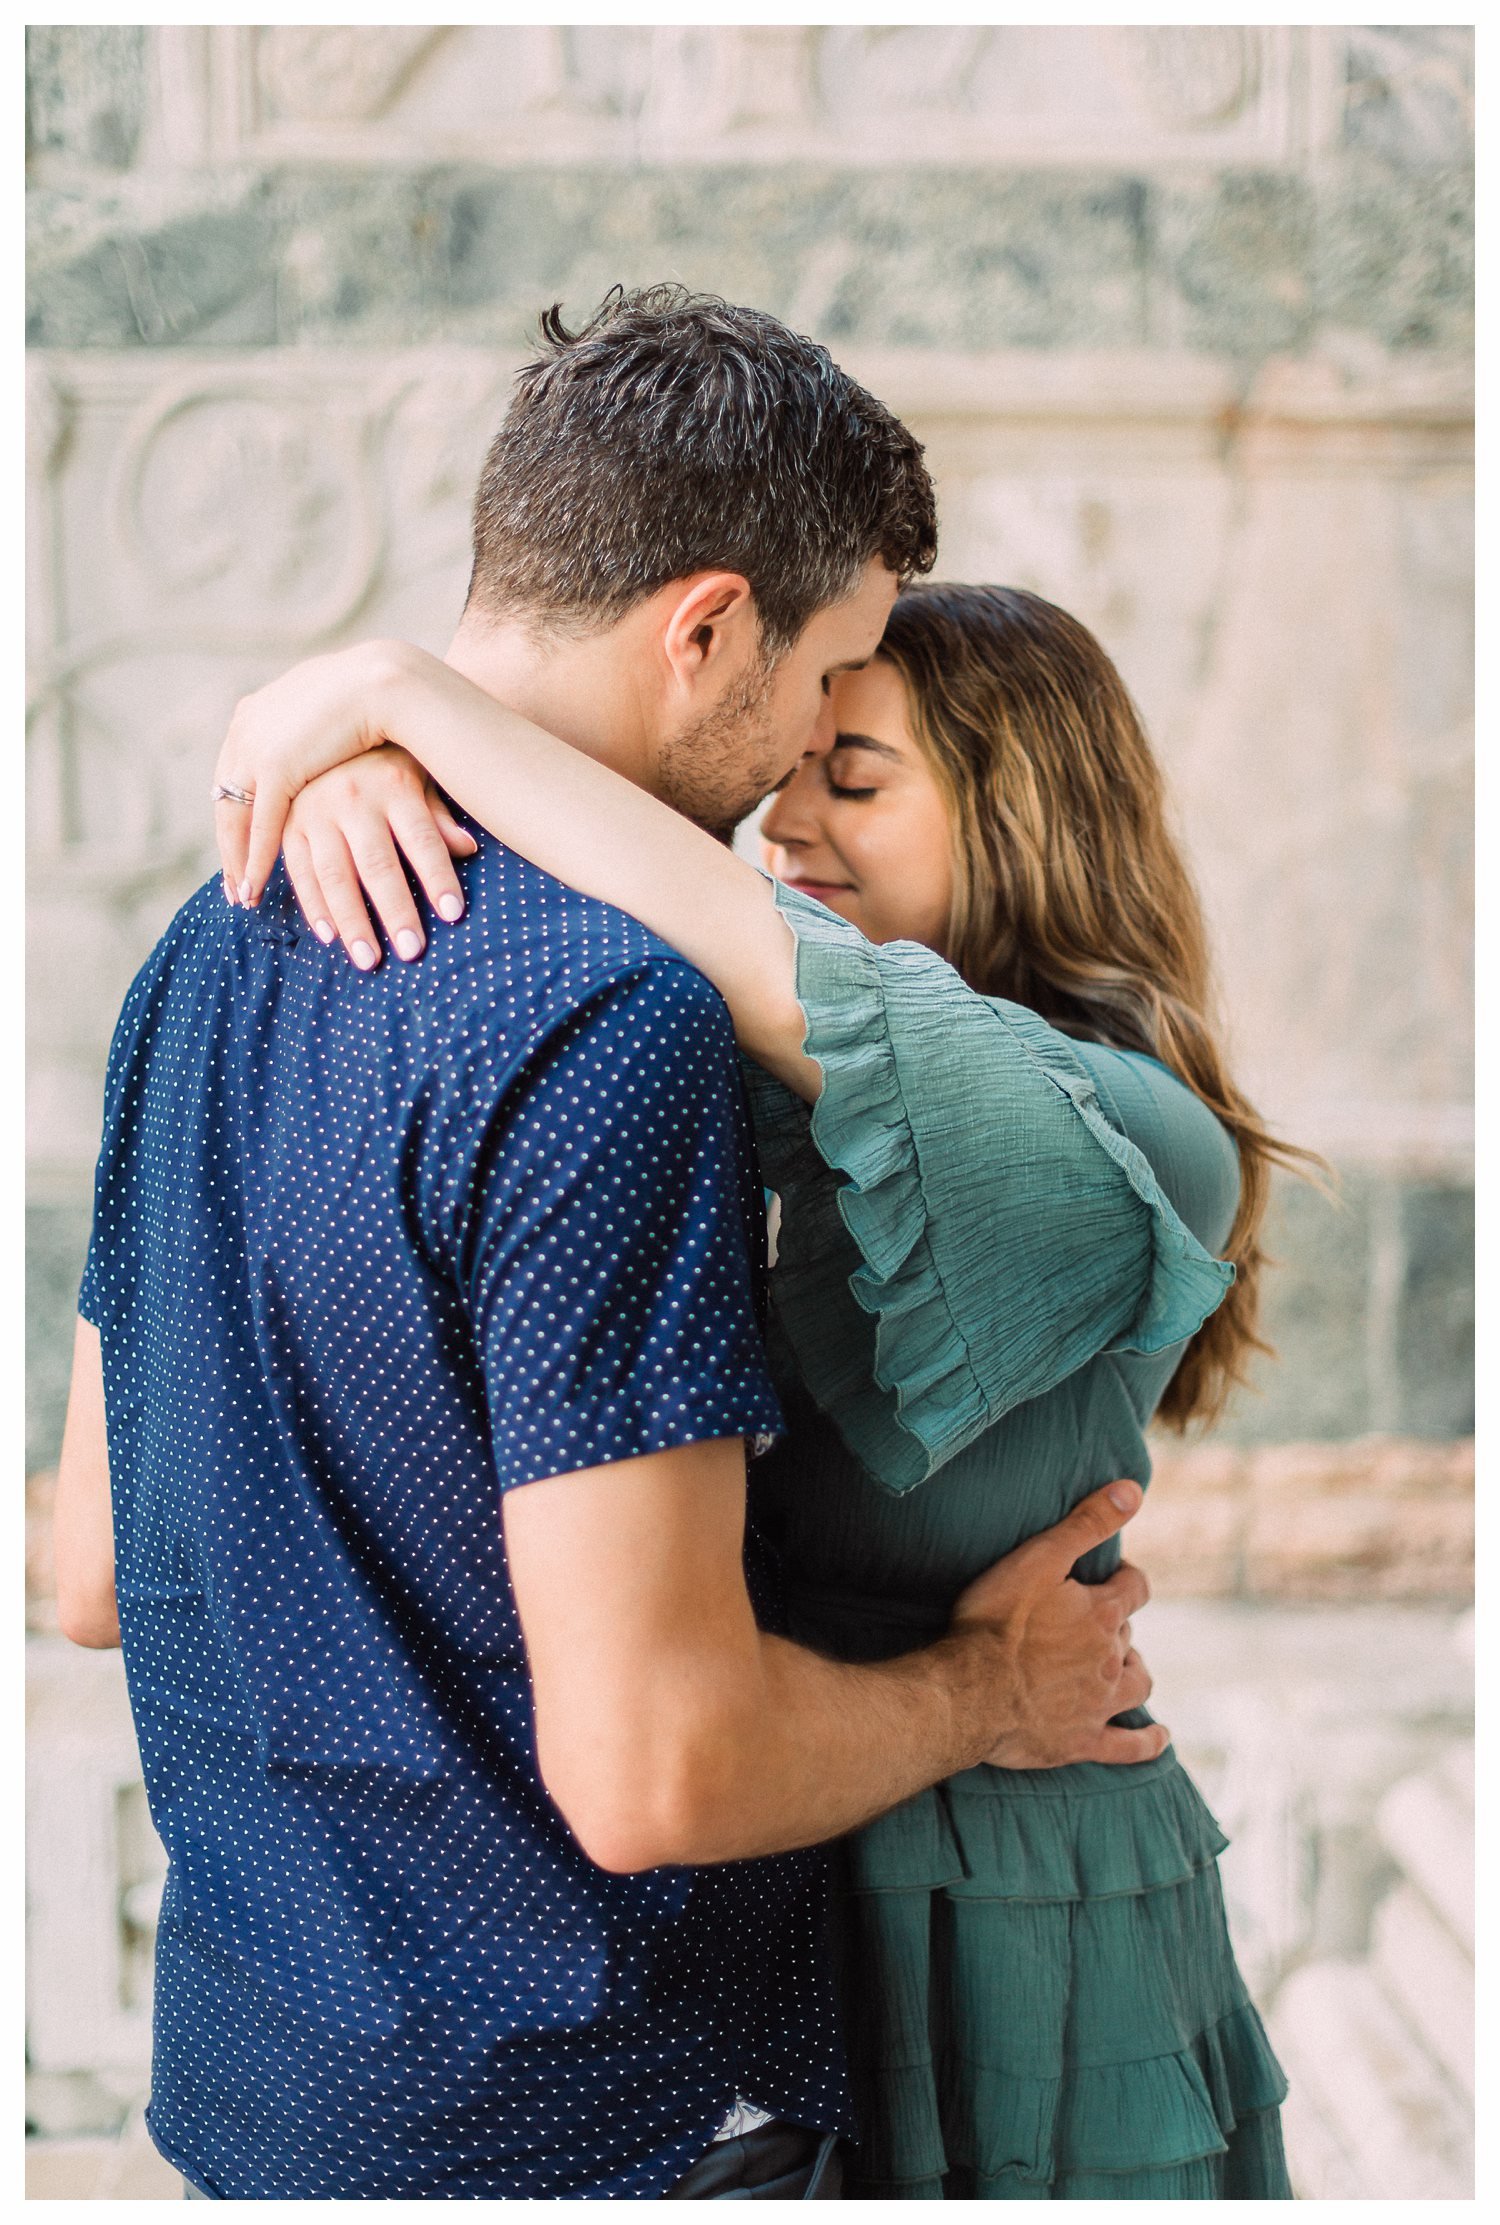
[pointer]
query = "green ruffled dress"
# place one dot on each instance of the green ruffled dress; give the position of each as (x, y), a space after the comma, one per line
(994, 1244)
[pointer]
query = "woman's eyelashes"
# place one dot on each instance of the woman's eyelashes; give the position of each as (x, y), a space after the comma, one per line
(850, 795)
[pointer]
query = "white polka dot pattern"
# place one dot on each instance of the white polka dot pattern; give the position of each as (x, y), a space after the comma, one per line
(369, 1250)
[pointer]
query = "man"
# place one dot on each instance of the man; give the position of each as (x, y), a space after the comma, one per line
(425, 1311)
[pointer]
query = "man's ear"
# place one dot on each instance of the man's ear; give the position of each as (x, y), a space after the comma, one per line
(713, 621)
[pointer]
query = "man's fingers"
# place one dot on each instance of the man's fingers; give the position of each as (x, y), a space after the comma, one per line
(1123, 1594)
(1116, 1745)
(344, 898)
(1133, 1687)
(1101, 1515)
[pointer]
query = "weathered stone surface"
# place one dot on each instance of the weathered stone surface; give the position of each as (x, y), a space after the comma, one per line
(1231, 271)
(1315, 1383)
(85, 92)
(1435, 1320)
(56, 1241)
(1408, 90)
(1249, 264)
(41, 1579)
(1380, 1518)
(1190, 1533)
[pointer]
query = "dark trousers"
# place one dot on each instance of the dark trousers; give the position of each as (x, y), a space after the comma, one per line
(775, 2163)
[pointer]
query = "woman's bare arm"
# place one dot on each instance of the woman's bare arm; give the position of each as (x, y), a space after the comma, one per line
(309, 747)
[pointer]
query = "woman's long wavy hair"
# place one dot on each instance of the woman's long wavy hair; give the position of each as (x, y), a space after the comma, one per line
(1070, 894)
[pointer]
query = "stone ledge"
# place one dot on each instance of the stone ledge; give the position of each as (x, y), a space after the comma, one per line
(1388, 1518)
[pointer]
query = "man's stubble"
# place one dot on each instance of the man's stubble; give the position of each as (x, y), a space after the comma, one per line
(718, 769)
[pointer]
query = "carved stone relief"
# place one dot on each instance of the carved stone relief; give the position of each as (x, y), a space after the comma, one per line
(337, 74)
(1193, 76)
(924, 94)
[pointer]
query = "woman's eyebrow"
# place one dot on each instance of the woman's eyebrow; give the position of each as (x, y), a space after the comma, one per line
(867, 741)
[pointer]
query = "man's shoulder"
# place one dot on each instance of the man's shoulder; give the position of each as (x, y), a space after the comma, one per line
(535, 951)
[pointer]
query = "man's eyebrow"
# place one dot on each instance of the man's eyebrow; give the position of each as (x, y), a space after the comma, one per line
(867, 741)
(855, 664)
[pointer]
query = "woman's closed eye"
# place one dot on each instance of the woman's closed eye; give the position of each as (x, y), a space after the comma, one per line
(852, 762)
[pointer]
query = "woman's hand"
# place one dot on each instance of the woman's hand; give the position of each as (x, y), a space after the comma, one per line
(349, 827)
(324, 711)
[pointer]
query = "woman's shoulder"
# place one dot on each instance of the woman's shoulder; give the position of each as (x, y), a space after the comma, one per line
(1006, 1227)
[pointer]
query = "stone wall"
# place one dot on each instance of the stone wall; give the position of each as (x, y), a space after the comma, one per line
(1182, 314)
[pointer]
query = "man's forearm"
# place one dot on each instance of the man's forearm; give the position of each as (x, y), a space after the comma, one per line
(812, 1748)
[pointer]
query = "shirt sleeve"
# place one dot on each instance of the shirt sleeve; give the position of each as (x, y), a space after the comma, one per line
(611, 1243)
(962, 1225)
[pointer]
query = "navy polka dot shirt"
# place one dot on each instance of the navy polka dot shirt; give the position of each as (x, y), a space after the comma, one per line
(368, 1251)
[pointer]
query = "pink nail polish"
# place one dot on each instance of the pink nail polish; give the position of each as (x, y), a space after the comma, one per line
(362, 954)
(408, 944)
(323, 929)
(244, 892)
(451, 907)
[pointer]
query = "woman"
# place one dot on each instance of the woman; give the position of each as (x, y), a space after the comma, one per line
(992, 1275)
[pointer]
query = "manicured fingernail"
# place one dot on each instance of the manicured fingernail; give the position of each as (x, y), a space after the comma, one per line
(323, 929)
(451, 907)
(1125, 1496)
(244, 892)
(362, 954)
(408, 943)
(228, 889)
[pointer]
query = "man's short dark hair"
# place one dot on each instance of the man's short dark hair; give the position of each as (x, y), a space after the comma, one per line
(674, 433)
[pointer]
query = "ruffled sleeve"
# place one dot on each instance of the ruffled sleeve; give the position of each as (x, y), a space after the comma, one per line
(961, 1226)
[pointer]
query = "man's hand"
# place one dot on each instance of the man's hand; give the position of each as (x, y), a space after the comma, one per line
(670, 1729)
(1065, 1664)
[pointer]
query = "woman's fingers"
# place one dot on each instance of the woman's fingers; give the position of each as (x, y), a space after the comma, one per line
(460, 842)
(267, 817)
(232, 832)
(343, 898)
(415, 825)
(306, 887)
(372, 846)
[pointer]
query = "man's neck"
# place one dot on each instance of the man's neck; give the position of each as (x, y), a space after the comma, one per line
(580, 690)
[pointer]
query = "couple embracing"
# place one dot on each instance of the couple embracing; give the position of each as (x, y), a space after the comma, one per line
(623, 1723)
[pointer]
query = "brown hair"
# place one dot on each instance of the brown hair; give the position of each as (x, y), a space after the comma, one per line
(674, 433)
(1070, 894)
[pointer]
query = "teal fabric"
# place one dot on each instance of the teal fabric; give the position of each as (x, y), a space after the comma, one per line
(983, 1293)
(994, 1244)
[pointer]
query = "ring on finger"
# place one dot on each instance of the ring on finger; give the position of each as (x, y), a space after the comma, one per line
(225, 791)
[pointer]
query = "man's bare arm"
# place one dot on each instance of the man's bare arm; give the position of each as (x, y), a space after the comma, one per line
(82, 1522)
(670, 1729)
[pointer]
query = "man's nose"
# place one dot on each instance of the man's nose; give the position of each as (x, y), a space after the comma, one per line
(825, 731)
(784, 820)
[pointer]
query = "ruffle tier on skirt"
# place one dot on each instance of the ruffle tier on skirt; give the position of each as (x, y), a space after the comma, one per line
(1042, 2003)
